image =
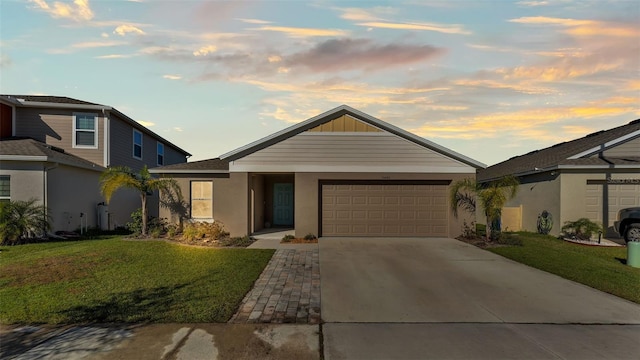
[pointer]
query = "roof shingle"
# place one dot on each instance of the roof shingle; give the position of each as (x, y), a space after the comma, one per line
(28, 147)
(558, 154)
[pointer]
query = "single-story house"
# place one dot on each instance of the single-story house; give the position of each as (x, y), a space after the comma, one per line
(592, 177)
(340, 173)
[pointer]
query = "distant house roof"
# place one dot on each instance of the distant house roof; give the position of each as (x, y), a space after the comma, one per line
(211, 166)
(571, 154)
(331, 115)
(27, 149)
(71, 103)
(47, 99)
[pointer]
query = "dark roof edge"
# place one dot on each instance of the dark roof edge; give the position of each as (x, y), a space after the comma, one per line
(336, 112)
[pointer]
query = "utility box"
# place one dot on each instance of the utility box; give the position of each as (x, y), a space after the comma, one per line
(633, 254)
(103, 216)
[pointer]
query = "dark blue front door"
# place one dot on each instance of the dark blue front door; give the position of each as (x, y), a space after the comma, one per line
(282, 204)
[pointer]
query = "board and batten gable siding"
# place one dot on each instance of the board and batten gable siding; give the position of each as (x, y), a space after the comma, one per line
(629, 148)
(345, 123)
(122, 147)
(348, 152)
(55, 127)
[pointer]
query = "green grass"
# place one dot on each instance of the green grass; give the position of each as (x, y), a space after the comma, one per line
(602, 268)
(124, 281)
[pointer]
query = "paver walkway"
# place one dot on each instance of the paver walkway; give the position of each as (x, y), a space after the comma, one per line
(287, 291)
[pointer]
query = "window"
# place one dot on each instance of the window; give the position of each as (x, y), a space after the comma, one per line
(160, 154)
(85, 131)
(137, 144)
(202, 199)
(5, 188)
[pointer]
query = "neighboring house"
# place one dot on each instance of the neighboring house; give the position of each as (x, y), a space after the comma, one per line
(341, 173)
(54, 148)
(592, 177)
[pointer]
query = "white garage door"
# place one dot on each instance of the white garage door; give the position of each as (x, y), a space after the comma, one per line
(620, 196)
(384, 210)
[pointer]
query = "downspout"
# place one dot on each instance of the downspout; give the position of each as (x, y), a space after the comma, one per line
(45, 184)
(106, 156)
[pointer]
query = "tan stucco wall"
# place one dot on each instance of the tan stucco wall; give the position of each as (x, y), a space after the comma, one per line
(69, 191)
(73, 191)
(230, 200)
(536, 194)
(307, 193)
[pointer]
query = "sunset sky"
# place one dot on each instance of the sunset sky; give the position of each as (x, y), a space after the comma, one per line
(488, 79)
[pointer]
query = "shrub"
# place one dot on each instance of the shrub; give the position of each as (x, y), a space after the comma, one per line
(135, 225)
(201, 230)
(581, 229)
(22, 219)
(469, 231)
(239, 241)
(288, 238)
(310, 237)
(172, 230)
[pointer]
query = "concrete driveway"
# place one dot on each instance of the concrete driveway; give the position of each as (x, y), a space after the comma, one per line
(441, 298)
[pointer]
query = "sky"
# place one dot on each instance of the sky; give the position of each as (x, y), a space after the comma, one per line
(488, 79)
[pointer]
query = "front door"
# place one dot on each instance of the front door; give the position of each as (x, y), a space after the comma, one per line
(282, 204)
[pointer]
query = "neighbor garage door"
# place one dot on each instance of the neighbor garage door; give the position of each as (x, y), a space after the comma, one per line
(384, 209)
(620, 196)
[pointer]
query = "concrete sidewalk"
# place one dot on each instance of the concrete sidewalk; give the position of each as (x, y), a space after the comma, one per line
(161, 342)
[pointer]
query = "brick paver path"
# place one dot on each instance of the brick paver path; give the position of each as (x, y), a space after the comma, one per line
(288, 291)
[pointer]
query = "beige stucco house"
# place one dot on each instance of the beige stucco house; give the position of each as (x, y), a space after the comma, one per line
(53, 149)
(592, 177)
(341, 173)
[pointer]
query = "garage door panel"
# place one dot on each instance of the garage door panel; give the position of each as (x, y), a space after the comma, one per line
(384, 210)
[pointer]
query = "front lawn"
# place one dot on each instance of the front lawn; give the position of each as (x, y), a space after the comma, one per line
(599, 267)
(124, 281)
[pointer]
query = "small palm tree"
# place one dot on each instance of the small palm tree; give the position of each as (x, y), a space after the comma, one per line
(492, 196)
(115, 178)
(22, 219)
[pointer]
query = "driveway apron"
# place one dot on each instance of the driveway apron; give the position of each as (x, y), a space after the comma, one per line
(440, 298)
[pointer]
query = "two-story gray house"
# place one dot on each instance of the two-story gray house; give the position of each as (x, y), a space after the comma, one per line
(54, 149)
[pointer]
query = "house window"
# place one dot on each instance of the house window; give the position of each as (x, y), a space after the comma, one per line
(202, 199)
(160, 154)
(85, 131)
(137, 144)
(5, 188)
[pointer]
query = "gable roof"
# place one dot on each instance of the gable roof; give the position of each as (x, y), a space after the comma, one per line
(63, 102)
(209, 166)
(27, 149)
(571, 154)
(337, 112)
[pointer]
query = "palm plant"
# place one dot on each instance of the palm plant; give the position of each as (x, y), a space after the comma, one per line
(492, 197)
(22, 219)
(115, 178)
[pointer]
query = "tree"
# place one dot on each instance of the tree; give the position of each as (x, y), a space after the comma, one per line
(492, 196)
(22, 219)
(115, 178)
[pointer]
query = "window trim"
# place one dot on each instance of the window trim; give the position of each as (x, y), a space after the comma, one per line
(74, 131)
(133, 140)
(159, 146)
(6, 198)
(191, 198)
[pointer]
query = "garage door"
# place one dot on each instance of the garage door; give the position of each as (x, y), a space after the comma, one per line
(620, 196)
(384, 209)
